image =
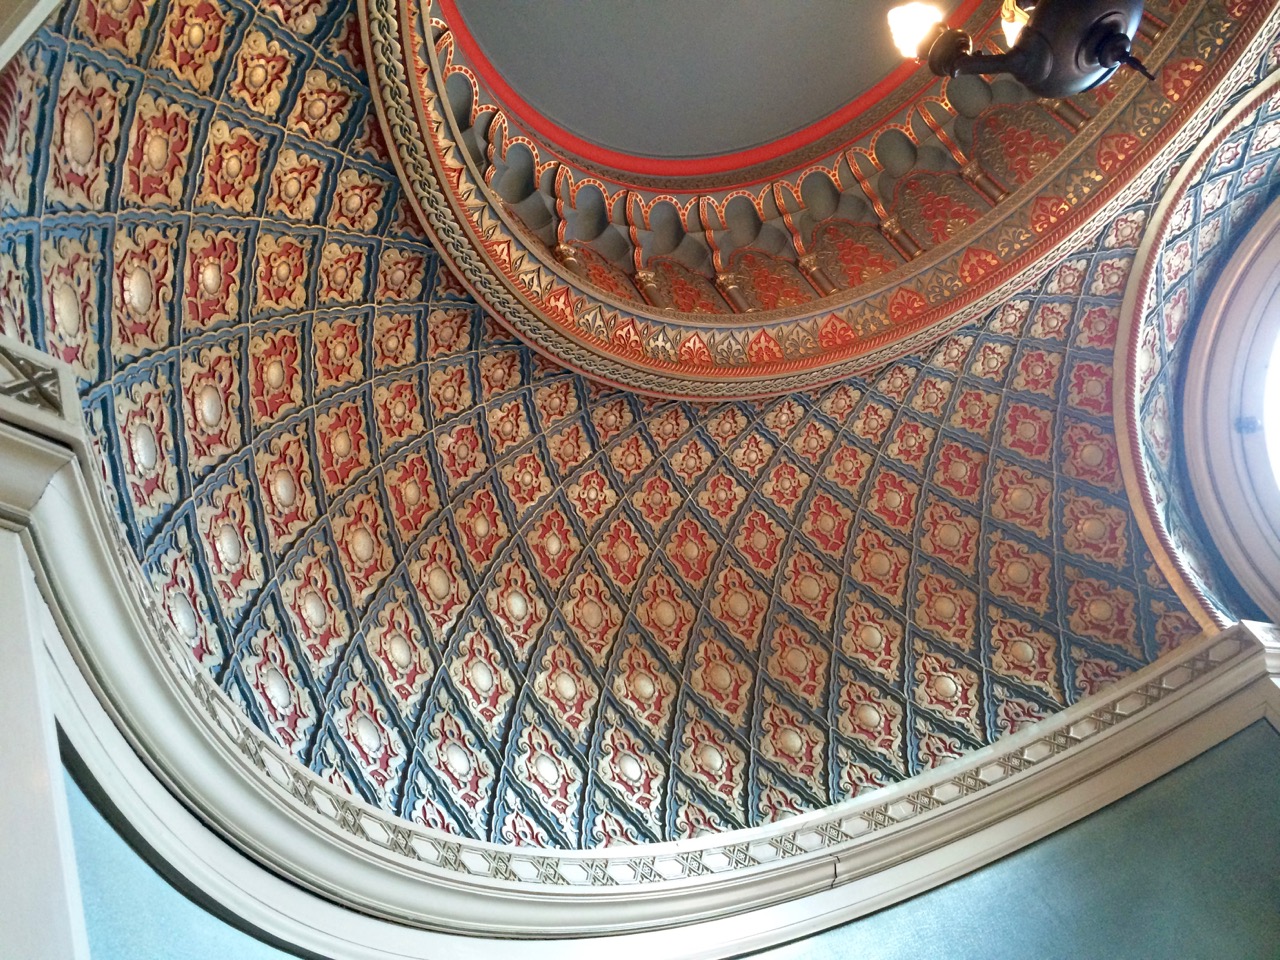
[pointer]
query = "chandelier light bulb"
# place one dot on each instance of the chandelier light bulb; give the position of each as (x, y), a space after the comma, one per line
(1012, 19)
(1012, 31)
(911, 24)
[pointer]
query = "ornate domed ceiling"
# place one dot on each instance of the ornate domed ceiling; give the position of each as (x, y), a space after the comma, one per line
(490, 595)
(890, 219)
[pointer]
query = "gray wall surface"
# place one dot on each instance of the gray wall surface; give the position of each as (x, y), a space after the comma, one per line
(1186, 868)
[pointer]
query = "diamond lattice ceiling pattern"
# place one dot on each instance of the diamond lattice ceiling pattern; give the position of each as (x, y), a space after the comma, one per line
(493, 596)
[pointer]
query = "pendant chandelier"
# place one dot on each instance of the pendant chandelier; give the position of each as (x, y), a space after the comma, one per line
(1056, 47)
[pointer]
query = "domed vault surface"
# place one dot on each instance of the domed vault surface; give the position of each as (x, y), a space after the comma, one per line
(493, 596)
(826, 252)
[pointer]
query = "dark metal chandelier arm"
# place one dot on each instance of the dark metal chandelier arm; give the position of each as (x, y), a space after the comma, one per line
(1066, 46)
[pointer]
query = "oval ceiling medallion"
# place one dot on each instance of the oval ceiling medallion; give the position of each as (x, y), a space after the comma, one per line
(623, 197)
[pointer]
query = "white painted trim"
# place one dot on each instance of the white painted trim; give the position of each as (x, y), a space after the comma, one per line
(1229, 464)
(19, 19)
(41, 917)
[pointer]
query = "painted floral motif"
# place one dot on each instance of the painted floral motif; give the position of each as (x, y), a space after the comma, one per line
(233, 165)
(86, 137)
(950, 688)
(371, 736)
(882, 564)
(1020, 573)
(394, 340)
(442, 591)
(231, 545)
(793, 743)
(872, 719)
(279, 690)
(854, 253)
(481, 528)
(282, 272)
(798, 664)
(263, 68)
(146, 429)
(810, 587)
(592, 497)
(118, 25)
(361, 532)
(1101, 611)
(627, 765)
(592, 615)
(546, 767)
(71, 306)
(405, 666)
(15, 309)
(645, 688)
(323, 106)
(184, 602)
(722, 680)
(480, 673)
(338, 353)
(211, 405)
(950, 534)
(714, 761)
(1024, 653)
(294, 188)
(458, 759)
(275, 374)
(1090, 455)
(211, 293)
(1095, 530)
(412, 494)
(284, 474)
(357, 201)
(315, 608)
(344, 444)
(300, 16)
(566, 687)
(142, 289)
(193, 41)
(21, 87)
(158, 151)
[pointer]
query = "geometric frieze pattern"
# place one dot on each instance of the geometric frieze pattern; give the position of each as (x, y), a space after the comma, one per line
(488, 595)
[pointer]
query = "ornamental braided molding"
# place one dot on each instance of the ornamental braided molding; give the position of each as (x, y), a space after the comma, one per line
(425, 157)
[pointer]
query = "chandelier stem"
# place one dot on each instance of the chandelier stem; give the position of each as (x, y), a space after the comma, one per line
(1133, 63)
